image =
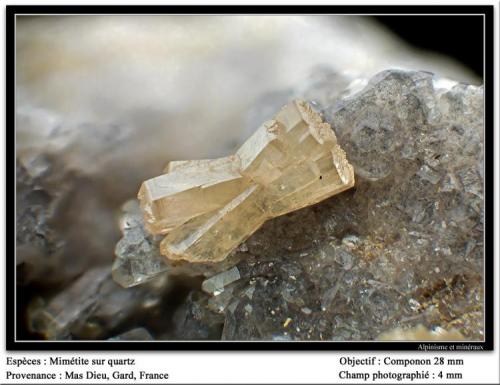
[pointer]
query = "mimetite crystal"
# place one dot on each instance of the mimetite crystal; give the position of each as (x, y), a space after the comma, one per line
(207, 208)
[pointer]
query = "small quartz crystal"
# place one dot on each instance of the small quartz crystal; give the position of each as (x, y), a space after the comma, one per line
(215, 285)
(207, 208)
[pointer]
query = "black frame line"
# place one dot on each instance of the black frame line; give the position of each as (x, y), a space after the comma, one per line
(487, 11)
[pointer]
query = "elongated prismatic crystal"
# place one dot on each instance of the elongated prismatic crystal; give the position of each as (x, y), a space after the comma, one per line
(207, 208)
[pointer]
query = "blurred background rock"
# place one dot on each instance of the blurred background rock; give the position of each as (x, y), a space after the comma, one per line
(103, 102)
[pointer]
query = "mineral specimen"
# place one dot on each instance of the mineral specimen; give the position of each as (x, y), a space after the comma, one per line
(138, 257)
(403, 248)
(208, 207)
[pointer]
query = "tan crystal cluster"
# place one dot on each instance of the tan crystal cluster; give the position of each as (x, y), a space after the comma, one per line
(207, 208)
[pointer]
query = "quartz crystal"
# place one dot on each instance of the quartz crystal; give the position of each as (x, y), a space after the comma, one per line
(101, 307)
(215, 285)
(208, 207)
(130, 269)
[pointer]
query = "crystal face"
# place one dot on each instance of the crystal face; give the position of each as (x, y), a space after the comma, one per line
(207, 208)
